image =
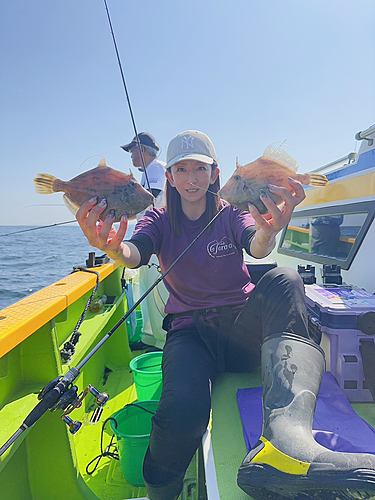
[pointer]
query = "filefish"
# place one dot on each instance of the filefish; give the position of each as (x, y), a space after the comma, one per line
(122, 191)
(246, 182)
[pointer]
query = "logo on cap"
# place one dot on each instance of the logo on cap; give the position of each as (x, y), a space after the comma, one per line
(188, 141)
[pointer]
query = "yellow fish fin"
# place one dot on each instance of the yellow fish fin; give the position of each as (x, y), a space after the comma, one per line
(43, 184)
(318, 180)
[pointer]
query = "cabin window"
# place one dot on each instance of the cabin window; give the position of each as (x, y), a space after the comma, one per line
(330, 235)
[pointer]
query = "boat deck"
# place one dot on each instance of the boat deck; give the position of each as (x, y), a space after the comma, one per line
(107, 482)
(228, 441)
(29, 359)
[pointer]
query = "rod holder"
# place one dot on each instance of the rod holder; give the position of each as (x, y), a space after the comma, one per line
(73, 425)
(101, 397)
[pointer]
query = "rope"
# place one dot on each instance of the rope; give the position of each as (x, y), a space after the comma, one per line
(69, 347)
(106, 452)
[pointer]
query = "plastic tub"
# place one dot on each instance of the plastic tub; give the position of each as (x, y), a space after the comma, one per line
(147, 374)
(133, 437)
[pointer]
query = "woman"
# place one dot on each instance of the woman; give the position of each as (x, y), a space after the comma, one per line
(217, 319)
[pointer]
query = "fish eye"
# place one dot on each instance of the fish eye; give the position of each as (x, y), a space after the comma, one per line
(237, 177)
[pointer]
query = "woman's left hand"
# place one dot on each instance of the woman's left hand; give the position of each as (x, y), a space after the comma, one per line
(277, 218)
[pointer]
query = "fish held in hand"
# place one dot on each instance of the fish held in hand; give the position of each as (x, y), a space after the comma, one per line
(122, 191)
(273, 168)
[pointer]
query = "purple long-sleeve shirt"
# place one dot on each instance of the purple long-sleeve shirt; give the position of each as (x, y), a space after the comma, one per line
(212, 273)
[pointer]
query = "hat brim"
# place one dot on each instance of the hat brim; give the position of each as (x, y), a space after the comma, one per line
(192, 156)
(127, 147)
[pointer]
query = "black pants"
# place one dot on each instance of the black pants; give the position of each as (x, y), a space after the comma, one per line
(276, 305)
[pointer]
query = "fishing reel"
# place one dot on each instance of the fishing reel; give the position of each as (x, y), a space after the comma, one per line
(69, 400)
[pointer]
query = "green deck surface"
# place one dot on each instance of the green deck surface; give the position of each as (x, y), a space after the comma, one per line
(365, 411)
(28, 468)
(228, 441)
(107, 482)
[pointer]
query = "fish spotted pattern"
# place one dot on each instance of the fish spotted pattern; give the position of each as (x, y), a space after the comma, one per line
(246, 182)
(122, 191)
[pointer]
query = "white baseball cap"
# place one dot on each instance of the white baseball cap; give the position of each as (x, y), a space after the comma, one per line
(190, 145)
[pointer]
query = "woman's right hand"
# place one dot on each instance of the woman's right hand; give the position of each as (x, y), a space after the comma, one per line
(102, 235)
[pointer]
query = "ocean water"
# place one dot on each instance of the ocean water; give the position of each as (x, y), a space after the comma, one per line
(31, 260)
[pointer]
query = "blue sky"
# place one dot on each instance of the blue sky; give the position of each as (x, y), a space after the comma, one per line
(247, 73)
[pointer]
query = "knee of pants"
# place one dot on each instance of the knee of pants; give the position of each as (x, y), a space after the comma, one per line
(290, 274)
(185, 409)
(283, 273)
(282, 276)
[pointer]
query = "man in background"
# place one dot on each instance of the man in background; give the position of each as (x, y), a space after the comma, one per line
(152, 306)
(155, 168)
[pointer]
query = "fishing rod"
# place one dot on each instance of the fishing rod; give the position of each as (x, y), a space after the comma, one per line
(61, 394)
(127, 96)
(40, 227)
(132, 119)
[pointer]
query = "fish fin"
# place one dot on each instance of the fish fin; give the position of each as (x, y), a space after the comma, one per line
(280, 155)
(318, 180)
(43, 184)
(102, 162)
(72, 207)
(131, 173)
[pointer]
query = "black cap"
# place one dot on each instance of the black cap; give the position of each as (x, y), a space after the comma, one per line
(145, 139)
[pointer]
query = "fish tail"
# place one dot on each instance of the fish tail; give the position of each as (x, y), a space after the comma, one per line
(43, 184)
(316, 180)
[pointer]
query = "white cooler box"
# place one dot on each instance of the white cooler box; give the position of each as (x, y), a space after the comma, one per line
(345, 317)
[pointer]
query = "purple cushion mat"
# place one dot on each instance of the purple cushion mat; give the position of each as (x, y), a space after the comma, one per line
(336, 425)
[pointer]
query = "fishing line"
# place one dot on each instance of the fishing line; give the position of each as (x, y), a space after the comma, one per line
(207, 190)
(41, 227)
(119, 323)
(52, 397)
(127, 95)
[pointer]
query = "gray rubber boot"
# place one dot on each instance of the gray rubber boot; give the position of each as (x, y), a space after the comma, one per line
(287, 462)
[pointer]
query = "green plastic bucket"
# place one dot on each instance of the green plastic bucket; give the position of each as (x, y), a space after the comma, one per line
(133, 437)
(147, 374)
